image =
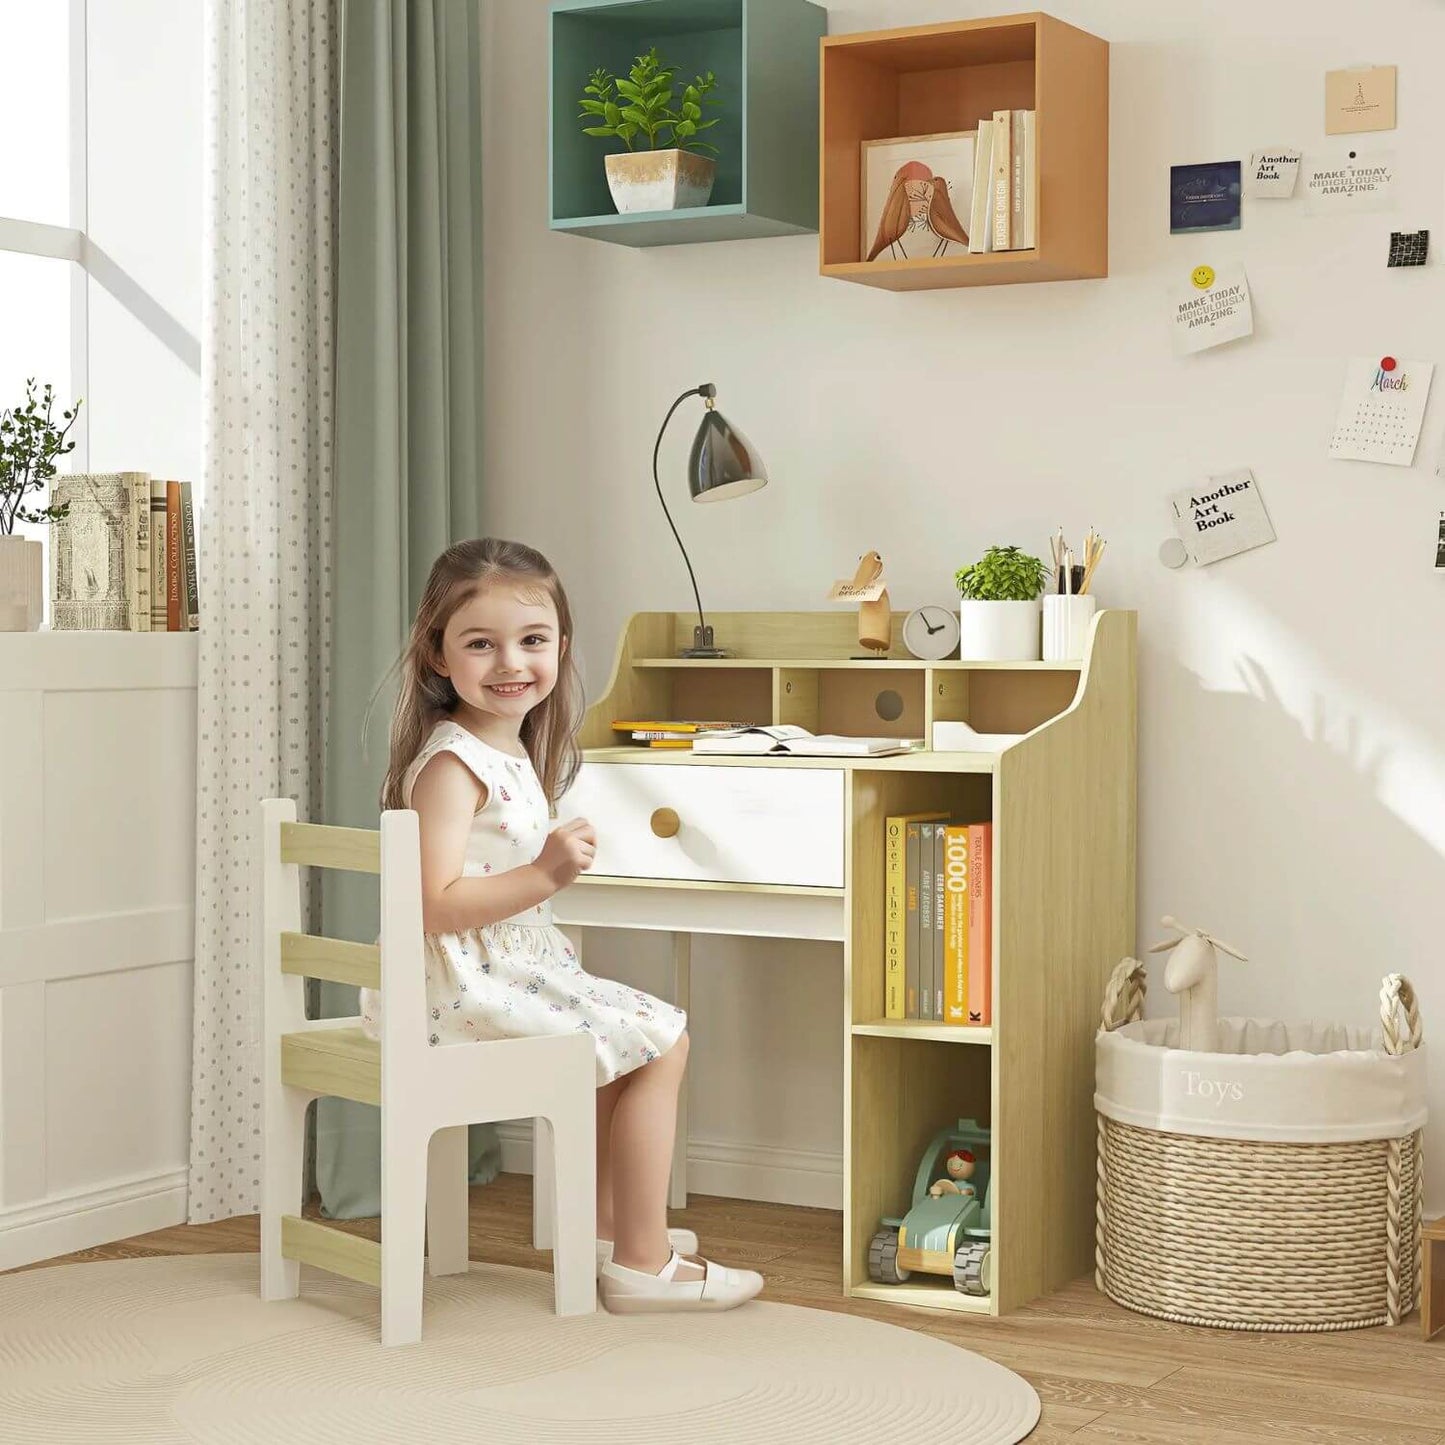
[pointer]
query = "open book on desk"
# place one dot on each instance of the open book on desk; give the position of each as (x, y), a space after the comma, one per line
(793, 741)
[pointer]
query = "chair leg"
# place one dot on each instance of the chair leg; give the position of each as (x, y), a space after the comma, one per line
(283, 1167)
(446, 1202)
(573, 1214)
(544, 1184)
(403, 1232)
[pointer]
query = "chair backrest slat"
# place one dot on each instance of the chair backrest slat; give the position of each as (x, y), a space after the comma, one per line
(318, 845)
(337, 960)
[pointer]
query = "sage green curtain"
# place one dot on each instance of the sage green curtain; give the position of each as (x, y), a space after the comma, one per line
(408, 437)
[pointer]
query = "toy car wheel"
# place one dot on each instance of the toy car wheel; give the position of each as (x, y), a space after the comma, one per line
(883, 1266)
(973, 1268)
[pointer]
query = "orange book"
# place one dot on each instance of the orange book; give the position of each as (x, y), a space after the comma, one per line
(955, 924)
(175, 566)
(980, 924)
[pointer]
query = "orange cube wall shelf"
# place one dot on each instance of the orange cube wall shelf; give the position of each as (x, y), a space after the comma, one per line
(935, 78)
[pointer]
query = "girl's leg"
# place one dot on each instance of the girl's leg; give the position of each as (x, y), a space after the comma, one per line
(643, 1124)
(607, 1097)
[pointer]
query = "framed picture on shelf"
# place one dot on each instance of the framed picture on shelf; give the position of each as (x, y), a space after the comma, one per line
(917, 193)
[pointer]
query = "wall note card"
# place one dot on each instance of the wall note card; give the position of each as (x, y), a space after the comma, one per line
(1362, 98)
(1272, 174)
(1211, 309)
(1408, 248)
(1221, 517)
(1204, 197)
(1381, 410)
(1351, 182)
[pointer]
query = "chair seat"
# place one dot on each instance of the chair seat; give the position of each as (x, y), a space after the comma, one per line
(342, 1063)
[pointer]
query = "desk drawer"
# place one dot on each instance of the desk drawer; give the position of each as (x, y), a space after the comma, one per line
(723, 824)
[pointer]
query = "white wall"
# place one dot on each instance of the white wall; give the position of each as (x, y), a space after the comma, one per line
(144, 65)
(1292, 782)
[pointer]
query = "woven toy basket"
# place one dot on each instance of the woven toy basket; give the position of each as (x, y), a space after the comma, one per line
(1225, 1194)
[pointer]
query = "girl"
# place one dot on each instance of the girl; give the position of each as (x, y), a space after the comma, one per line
(483, 743)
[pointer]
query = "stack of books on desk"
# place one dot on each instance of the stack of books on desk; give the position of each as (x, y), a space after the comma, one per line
(666, 734)
(938, 919)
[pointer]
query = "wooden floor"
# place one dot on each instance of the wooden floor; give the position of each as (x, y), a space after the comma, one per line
(1103, 1373)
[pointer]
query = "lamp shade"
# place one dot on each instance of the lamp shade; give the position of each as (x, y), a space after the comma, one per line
(723, 463)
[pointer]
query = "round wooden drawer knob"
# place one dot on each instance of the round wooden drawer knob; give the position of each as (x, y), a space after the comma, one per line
(665, 823)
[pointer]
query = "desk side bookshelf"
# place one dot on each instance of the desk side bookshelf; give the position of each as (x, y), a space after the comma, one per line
(1062, 801)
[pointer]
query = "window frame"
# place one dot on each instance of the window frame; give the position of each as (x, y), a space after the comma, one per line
(69, 243)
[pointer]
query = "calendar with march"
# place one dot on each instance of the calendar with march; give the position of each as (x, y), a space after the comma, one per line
(1381, 410)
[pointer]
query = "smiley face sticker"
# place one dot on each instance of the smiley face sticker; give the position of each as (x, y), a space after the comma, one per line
(1202, 277)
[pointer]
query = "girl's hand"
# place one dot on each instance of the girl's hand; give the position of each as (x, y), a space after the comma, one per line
(568, 850)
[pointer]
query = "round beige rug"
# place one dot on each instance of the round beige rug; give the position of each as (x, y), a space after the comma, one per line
(164, 1351)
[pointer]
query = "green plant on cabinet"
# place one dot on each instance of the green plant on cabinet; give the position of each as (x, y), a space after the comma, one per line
(1002, 574)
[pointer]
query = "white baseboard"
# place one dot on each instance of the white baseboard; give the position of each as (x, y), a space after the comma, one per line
(44, 1228)
(734, 1171)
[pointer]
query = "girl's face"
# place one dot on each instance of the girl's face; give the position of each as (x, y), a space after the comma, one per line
(500, 649)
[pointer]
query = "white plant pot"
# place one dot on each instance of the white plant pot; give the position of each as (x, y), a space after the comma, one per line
(998, 631)
(22, 584)
(671, 180)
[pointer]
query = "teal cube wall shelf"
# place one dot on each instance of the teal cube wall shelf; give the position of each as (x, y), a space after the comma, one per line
(765, 54)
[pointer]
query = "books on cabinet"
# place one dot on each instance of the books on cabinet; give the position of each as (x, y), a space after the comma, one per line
(1005, 166)
(938, 920)
(124, 558)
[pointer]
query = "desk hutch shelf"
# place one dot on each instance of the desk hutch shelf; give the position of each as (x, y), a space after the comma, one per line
(1062, 801)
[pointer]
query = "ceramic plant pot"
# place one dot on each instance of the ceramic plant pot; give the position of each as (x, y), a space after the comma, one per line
(22, 584)
(998, 631)
(671, 180)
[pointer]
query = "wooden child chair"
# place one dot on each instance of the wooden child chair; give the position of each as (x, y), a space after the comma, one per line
(427, 1095)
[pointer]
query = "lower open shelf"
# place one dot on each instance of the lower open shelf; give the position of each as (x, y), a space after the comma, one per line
(924, 1029)
(936, 1294)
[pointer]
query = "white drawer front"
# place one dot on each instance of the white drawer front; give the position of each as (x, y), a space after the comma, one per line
(733, 824)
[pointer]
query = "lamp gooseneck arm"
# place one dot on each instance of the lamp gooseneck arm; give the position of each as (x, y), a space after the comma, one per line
(707, 390)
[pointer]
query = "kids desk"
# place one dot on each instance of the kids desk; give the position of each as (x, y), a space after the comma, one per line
(793, 848)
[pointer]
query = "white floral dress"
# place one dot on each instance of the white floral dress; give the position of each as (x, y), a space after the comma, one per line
(522, 977)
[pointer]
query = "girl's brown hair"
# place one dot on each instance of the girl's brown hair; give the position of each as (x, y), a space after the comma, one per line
(549, 731)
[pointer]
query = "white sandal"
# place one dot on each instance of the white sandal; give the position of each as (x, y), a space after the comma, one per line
(635, 1292)
(684, 1241)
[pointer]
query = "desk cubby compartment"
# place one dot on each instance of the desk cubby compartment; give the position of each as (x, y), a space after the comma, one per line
(999, 699)
(855, 701)
(764, 54)
(932, 79)
(904, 1092)
(877, 793)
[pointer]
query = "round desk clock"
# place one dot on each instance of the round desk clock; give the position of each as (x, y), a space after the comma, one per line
(931, 633)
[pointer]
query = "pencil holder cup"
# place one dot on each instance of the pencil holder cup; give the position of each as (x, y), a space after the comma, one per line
(1066, 626)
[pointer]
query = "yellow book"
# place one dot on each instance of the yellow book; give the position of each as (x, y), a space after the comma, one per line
(955, 924)
(894, 908)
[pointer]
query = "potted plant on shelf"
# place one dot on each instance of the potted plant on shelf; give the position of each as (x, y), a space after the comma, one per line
(638, 110)
(30, 444)
(999, 607)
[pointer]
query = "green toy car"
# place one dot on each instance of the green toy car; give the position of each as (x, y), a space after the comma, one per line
(948, 1229)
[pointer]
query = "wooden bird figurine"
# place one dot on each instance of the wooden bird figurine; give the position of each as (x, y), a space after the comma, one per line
(917, 201)
(875, 618)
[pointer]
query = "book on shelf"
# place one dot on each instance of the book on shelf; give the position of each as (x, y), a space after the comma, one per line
(1002, 179)
(667, 727)
(980, 224)
(191, 613)
(93, 552)
(139, 600)
(940, 833)
(955, 924)
(789, 739)
(980, 925)
(158, 554)
(895, 949)
(911, 833)
(174, 563)
(926, 833)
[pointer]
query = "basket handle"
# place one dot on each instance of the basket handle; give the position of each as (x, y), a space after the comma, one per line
(1124, 994)
(1398, 993)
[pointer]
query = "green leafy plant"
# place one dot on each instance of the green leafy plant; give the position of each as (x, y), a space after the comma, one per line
(642, 105)
(1002, 574)
(30, 445)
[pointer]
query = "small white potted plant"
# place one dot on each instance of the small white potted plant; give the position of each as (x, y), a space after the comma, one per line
(650, 174)
(31, 442)
(999, 608)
